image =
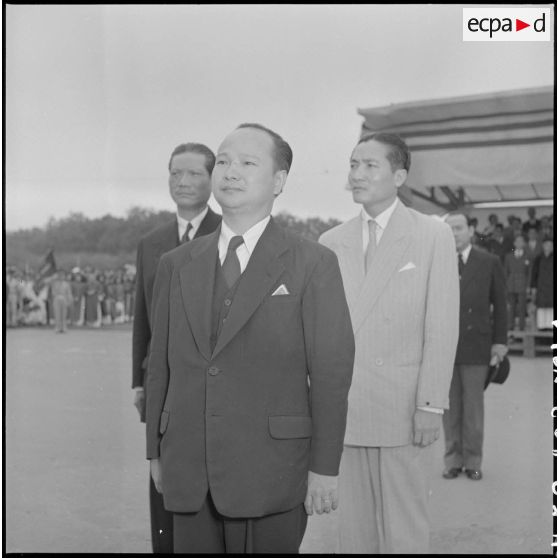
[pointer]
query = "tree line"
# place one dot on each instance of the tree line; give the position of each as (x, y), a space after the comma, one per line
(110, 242)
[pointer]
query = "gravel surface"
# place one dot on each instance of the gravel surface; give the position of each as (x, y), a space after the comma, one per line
(76, 477)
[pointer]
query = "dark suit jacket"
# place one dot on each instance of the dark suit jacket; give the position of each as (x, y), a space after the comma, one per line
(482, 285)
(150, 250)
(250, 419)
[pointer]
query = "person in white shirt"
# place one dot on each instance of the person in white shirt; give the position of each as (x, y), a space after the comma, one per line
(400, 278)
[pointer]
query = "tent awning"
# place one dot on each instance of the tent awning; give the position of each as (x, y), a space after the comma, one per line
(479, 148)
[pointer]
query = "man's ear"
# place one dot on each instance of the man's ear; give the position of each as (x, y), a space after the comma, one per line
(279, 182)
(400, 177)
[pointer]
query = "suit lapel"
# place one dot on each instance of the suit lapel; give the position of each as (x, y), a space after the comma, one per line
(197, 278)
(262, 271)
(209, 224)
(394, 242)
(352, 261)
(470, 269)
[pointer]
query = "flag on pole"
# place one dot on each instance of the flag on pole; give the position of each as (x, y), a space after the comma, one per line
(48, 267)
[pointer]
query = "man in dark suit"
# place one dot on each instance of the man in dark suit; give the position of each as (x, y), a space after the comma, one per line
(482, 341)
(190, 168)
(250, 367)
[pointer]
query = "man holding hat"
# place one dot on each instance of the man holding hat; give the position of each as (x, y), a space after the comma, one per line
(482, 342)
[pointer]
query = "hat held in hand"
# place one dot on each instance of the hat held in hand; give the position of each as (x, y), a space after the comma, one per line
(498, 373)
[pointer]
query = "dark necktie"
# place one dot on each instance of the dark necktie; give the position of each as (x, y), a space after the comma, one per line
(186, 235)
(460, 263)
(231, 265)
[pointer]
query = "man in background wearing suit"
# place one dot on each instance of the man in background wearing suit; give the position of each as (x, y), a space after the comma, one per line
(400, 278)
(517, 268)
(250, 366)
(482, 341)
(190, 168)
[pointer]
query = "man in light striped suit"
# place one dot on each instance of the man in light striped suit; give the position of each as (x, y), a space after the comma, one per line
(401, 281)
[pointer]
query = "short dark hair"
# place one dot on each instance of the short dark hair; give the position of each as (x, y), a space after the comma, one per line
(547, 239)
(282, 152)
(199, 148)
(499, 226)
(399, 156)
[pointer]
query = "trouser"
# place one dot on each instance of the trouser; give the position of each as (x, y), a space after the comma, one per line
(517, 307)
(207, 531)
(60, 308)
(161, 522)
(383, 500)
(464, 421)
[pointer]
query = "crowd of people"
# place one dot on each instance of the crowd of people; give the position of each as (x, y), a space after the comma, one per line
(80, 297)
(99, 298)
(526, 252)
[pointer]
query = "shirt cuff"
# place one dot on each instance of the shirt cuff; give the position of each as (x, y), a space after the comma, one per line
(138, 388)
(432, 410)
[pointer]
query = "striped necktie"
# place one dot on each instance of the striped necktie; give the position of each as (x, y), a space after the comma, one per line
(371, 249)
(186, 235)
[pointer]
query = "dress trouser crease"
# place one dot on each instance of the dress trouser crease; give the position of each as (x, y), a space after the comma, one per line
(383, 500)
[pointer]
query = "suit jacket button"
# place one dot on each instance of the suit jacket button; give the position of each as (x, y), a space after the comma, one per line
(228, 302)
(213, 371)
(379, 362)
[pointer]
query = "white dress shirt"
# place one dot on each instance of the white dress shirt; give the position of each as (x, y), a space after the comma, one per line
(381, 223)
(244, 251)
(195, 222)
(465, 253)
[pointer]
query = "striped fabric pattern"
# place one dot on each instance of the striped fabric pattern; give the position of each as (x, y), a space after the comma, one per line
(404, 313)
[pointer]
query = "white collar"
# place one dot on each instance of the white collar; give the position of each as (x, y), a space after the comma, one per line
(383, 218)
(250, 237)
(195, 222)
(465, 253)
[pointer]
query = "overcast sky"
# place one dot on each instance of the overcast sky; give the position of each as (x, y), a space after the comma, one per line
(98, 96)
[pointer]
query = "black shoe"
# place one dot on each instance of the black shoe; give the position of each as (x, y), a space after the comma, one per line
(474, 474)
(451, 473)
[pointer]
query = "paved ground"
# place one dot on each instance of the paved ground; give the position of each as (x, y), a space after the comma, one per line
(76, 478)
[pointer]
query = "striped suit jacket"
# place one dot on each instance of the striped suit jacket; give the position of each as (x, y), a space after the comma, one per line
(405, 316)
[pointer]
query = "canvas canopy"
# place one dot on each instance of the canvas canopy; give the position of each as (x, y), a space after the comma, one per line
(479, 148)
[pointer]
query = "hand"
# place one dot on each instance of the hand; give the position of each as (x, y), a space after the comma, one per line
(139, 401)
(156, 474)
(426, 427)
(322, 493)
(497, 353)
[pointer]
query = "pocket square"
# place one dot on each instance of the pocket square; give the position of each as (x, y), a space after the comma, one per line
(407, 266)
(281, 290)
